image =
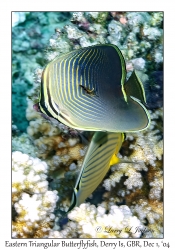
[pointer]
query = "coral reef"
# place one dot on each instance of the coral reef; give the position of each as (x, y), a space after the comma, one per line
(145, 150)
(140, 184)
(18, 17)
(152, 212)
(61, 148)
(33, 204)
(88, 221)
(56, 144)
(50, 154)
(30, 34)
(24, 144)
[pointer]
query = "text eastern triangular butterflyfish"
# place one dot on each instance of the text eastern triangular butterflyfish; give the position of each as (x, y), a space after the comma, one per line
(85, 89)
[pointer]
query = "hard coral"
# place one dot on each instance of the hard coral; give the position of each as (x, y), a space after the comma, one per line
(51, 143)
(88, 221)
(152, 211)
(24, 144)
(144, 176)
(32, 202)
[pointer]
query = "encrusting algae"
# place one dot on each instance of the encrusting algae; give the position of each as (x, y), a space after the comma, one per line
(130, 192)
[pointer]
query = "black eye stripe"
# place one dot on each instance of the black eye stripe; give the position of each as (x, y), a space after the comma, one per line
(50, 102)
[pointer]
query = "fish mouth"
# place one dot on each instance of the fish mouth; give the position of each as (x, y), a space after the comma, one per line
(36, 107)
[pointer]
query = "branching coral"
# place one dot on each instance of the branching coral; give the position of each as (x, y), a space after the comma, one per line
(134, 178)
(55, 143)
(57, 148)
(61, 149)
(144, 148)
(152, 211)
(33, 203)
(88, 221)
(144, 179)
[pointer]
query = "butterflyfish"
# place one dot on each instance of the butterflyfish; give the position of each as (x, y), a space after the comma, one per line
(101, 154)
(86, 89)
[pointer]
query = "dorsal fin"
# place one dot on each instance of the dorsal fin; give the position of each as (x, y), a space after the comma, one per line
(134, 87)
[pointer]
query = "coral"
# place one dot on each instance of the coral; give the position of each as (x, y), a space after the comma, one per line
(152, 211)
(147, 146)
(134, 178)
(151, 33)
(30, 33)
(24, 144)
(144, 177)
(56, 144)
(154, 90)
(88, 221)
(15, 130)
(119, 16)
(40, 127)
(18, 17)
(60, 147)
(138, 63)
(73, 32)
(157, 18)
(155, 178)
(65, 151)
(33, 203)
(114, 29)
(97, 17)
(137, 18)
(145, 149)
(28, 173)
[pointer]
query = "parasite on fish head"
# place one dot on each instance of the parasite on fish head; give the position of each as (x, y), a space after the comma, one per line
(90, 92)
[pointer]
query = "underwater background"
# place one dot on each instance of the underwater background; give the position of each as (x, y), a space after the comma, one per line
(46, 158)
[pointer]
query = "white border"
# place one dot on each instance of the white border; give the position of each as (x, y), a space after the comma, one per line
(5, 97)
